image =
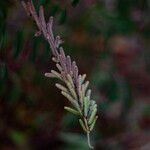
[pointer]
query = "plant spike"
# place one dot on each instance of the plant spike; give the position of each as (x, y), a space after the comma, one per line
(75, 88)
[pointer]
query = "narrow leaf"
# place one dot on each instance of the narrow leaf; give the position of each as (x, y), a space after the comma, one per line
(61, 87)
(59, 67)
(70, 80)
(86, 106)
(83, 78)
(56, 74)
(73, 102)
(68, 97)
(82, 125)
(93, 124)
(72, 110)
(88, 94)
(84, 87)
(92, 116)
(71, 89)
(50, 75)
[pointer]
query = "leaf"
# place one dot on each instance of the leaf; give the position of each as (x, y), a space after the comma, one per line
(86, 106)
(71, 89)
(72, 110)
(82, 125)
(61, 87)
(73, 102)
(68, 97)
(58, 75)
(93, 124)
(92, 116)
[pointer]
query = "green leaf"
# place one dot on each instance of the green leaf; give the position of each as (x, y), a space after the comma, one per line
(61, 87)
(91, 119)
(93, 124)
(86, 106)
(82, 125)
(72, 110)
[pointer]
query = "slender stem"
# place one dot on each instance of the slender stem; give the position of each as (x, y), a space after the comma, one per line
(89, 142)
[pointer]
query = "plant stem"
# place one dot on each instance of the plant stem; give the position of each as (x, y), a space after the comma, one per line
(88, 140)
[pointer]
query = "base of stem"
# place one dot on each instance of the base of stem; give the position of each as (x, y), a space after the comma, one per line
(88, 140)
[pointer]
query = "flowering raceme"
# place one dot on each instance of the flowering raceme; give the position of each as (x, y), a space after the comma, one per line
(74, 86)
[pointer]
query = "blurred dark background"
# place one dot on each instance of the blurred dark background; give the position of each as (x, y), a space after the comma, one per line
(109, 39)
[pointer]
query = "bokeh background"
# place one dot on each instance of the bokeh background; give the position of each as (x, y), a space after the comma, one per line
(109, 39)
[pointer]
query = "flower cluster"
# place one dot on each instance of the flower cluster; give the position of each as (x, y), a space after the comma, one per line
(73, 87)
